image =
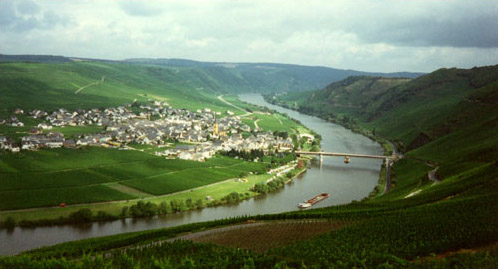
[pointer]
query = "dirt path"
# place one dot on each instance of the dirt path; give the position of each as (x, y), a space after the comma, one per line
(279, 120)
(131, 148)
(91, 84)
(256, 124)
(431, 175)
(129, 190)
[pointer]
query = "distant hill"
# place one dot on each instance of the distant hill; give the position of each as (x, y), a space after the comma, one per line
(412, 111)
(34, 58)
(234, 77)
(272, 77)
(89, 84)
(355, 92)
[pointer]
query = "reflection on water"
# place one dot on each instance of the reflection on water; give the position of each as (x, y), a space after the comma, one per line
(345, 183)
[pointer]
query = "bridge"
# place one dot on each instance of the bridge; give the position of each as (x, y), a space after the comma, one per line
(387, 159)
(350, 155)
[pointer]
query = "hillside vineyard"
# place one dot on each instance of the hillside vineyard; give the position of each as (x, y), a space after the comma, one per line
(93, 140)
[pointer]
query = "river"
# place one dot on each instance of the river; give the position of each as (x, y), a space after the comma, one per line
(344, 182)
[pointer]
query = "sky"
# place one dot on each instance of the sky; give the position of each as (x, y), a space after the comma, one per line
(375, 36)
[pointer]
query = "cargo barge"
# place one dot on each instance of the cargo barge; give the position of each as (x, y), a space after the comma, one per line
(314, 200)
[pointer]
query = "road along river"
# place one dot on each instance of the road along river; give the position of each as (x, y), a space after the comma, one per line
(344, 182)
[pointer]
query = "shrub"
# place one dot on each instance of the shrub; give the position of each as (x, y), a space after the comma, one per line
(9, 223)
(80, 216)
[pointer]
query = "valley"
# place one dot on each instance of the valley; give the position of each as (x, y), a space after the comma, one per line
(446, 119)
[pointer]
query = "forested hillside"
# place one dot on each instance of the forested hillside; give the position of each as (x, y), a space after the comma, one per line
(405, 110)
(353, 93)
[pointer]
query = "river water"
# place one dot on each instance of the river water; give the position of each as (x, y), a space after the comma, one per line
(344, 182)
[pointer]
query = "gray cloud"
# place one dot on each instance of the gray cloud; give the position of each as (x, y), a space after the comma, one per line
(26, 15)
(419, 35)
(465, 31)
(7, 14)
(140, 8)
(28, 7)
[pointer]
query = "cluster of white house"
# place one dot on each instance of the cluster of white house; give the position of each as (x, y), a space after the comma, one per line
(82, 117)
(202, 128)
(264, 141)
(12, 121)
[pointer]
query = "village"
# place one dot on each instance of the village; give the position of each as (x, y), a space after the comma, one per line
(201, 133)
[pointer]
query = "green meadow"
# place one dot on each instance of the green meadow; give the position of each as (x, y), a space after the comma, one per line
(99, 85)
(217, 191)
(49, 177)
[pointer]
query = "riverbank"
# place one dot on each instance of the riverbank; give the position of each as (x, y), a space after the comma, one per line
(345, 183)
(388, 147)
(225, 192)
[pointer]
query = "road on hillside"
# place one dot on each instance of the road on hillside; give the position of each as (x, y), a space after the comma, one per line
(91, 84)
(256, 126)
(388, 176)
(432, 175)
(220, 97)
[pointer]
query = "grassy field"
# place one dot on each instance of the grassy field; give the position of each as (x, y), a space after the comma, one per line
(40, 175)
(181, 180)
(52, 86)
(216, 191)
(271, 122)
(18, 132)
(55, 196)
(69, 131)
(266, 121)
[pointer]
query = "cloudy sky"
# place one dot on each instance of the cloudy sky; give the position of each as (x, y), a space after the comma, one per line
(384, 36)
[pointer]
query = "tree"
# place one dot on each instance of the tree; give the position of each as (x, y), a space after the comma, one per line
(189, 203)
(261, 188)
(9, 223)
(102, 215)
(124, 211)
(177, 205)
(80, 216)
(142, 209)
(315, 148)
(164, 208)
(232, 198)
(199, 203)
